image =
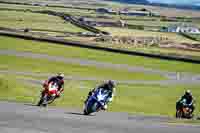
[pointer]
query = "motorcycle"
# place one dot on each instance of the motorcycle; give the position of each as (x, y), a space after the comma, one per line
(184, 111)
(96, 101)
(48, 95)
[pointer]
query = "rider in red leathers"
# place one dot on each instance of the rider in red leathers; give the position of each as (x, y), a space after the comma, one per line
(59, 79)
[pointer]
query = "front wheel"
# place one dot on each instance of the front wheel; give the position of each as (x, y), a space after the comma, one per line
(43, 101)
(179, 114)
(85, 112)
(40, 102)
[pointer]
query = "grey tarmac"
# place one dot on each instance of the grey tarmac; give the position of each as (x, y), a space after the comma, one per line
(27, 118)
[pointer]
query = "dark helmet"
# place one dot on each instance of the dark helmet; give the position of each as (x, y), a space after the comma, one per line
(60, 75)
(112, 83)
(188, 93)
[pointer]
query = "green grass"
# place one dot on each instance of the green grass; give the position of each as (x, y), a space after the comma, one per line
(74, 52)
(72, 11)
(193, 54)
(193, 36)
(142, 99)
(12, 90)
(151, 23)
(158, 22)
(151, 99)
(34, 65)
(184, 121)
(13, 19)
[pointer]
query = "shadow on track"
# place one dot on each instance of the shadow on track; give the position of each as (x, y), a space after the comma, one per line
(30, 104)
(76, 113)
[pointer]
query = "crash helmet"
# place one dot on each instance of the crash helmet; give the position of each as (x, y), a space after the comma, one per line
(188, 93)
(61, 75)
(112, 83)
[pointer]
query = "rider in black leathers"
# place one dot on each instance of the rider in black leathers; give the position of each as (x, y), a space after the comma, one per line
(189, 101)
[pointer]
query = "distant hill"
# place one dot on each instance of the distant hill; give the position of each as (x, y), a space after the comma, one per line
(132, 1)
(146, 2)
(178, 6)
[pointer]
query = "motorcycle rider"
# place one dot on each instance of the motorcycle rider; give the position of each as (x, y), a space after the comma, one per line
(189, 101)
(109, 85)
(59, 79)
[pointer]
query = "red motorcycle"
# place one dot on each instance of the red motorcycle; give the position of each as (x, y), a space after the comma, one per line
(49, 94)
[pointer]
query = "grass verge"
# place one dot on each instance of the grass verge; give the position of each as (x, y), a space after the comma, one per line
(75, 52)
(45, 66)
(12, 90)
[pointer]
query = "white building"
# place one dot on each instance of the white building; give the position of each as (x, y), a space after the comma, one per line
(183, 28)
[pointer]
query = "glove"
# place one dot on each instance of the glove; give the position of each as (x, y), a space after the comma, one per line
(109, 99)
(90, 93)
(105, 107)
(58, 94)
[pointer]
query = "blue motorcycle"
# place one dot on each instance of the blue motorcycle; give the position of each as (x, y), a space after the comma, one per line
(96, 101)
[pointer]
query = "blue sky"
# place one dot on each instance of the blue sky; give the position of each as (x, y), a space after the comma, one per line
(194, 2)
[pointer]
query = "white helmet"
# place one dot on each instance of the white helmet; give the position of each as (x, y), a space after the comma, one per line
(61, 75)
(188, 92)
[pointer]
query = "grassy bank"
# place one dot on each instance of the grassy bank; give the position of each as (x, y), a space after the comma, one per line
(14, 19)
(74, 52)
(45, 66)
(12, 90)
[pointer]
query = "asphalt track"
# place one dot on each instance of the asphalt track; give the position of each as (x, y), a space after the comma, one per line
(25, 118)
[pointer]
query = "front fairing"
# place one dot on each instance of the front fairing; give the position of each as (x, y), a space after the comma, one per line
(101, 95)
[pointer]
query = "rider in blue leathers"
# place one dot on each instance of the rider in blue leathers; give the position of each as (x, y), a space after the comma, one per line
(109, 85)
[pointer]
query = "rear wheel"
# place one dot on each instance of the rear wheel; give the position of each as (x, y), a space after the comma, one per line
(41, 98)
(43, 101)
(90, 108)
(51, 99)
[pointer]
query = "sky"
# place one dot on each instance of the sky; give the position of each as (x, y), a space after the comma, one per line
(191, 2)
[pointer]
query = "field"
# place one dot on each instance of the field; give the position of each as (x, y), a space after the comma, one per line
(18, 19)
(21, 20)
(140, 33)
(34, 65)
